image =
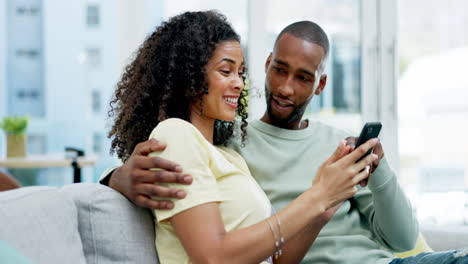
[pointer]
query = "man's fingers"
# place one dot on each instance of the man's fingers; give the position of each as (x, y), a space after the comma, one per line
(151, 145)
(364, 182)
(357, 153)
(159, 191)
(160, 176)
(166, 164)
(363, 175)
(145, 162)
(351, 141)
(378, 149)
(375, 164)
(147, 202)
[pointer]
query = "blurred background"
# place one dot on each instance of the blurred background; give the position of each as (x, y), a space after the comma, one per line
(400, 62)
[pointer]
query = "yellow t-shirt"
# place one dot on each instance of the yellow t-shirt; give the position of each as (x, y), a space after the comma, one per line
(219, 175)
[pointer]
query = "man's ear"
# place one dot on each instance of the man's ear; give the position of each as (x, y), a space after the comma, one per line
(267, 63)
(321, 85)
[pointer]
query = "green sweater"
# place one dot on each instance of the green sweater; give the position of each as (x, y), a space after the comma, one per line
(378, 220)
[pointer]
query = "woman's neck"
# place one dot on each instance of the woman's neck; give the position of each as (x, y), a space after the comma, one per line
(204, 124)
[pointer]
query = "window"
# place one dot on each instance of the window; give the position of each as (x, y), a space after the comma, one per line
(92, 16)
(21, 10)
(24, 58)
(96, 101)
(93, 57)
(36, 143)
(27, 53)
(127, 23)
(97, 143)
(28, 94)
(433, 45)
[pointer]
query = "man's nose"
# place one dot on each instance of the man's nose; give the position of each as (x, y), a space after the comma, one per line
(286, 89)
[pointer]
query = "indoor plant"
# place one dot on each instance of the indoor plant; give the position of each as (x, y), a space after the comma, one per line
(15, 130)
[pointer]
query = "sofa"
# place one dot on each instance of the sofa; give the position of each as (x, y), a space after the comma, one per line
(91, 223)
(78, 223)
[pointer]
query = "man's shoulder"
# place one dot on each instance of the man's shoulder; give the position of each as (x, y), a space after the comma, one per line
(315, 130)
(326, 130)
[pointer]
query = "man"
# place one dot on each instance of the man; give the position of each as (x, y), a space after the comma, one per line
(283, 154)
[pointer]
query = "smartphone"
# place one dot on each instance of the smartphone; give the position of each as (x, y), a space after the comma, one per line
(370, 130)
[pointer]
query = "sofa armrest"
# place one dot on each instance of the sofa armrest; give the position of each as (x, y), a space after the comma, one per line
(442, 238)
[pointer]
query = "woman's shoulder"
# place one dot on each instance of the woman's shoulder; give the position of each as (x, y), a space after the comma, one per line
(174, 125)
(184, 143)
(176, 128)
(176, 122)
(230, 151)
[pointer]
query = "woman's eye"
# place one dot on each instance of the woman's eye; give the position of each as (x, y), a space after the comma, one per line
(225, 72)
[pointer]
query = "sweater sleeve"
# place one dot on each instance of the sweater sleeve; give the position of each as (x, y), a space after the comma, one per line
(388, 210)
(187, 147)
(106, 175)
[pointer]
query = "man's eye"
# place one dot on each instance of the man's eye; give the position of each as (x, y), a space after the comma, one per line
(278, 69)
(304, 78)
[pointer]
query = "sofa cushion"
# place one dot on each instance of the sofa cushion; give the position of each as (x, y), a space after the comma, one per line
(41, 223)
(113, 229)
(447, 237)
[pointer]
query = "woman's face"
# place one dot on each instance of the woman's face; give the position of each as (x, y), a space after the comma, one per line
(224, 72)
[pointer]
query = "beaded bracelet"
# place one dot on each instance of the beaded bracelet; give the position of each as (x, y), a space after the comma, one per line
(280, 233)
(277, 243)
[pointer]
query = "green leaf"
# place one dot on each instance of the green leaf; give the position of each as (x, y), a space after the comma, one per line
(15, 125)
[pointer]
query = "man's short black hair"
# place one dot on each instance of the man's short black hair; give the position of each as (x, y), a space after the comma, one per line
(308, 31)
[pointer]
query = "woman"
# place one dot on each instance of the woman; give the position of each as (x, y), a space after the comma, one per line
(186, 87)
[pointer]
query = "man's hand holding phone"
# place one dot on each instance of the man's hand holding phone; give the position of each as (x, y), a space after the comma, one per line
(369, 131)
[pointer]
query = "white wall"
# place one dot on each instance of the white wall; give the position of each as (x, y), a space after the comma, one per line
(65, 80)
(378, 73)
(258, 52)
(3, 94)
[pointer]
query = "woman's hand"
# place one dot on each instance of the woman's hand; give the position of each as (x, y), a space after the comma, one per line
(338, 176)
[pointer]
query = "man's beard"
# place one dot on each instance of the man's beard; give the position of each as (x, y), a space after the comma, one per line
(296, 114)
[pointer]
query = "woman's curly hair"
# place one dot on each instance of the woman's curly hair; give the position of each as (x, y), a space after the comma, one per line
(167, 76)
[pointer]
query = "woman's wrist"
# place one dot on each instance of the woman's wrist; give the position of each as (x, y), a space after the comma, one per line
(318, 199)
(324, 205)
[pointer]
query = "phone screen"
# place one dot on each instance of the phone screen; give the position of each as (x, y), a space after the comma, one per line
(370, 130)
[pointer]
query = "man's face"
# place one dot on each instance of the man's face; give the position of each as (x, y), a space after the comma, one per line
(293, 76)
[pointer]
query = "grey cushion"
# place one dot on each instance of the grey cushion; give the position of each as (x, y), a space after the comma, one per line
(113, 229)
(41, 223)
(442, 238)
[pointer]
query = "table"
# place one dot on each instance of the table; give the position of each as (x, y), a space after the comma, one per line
(50, 161)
